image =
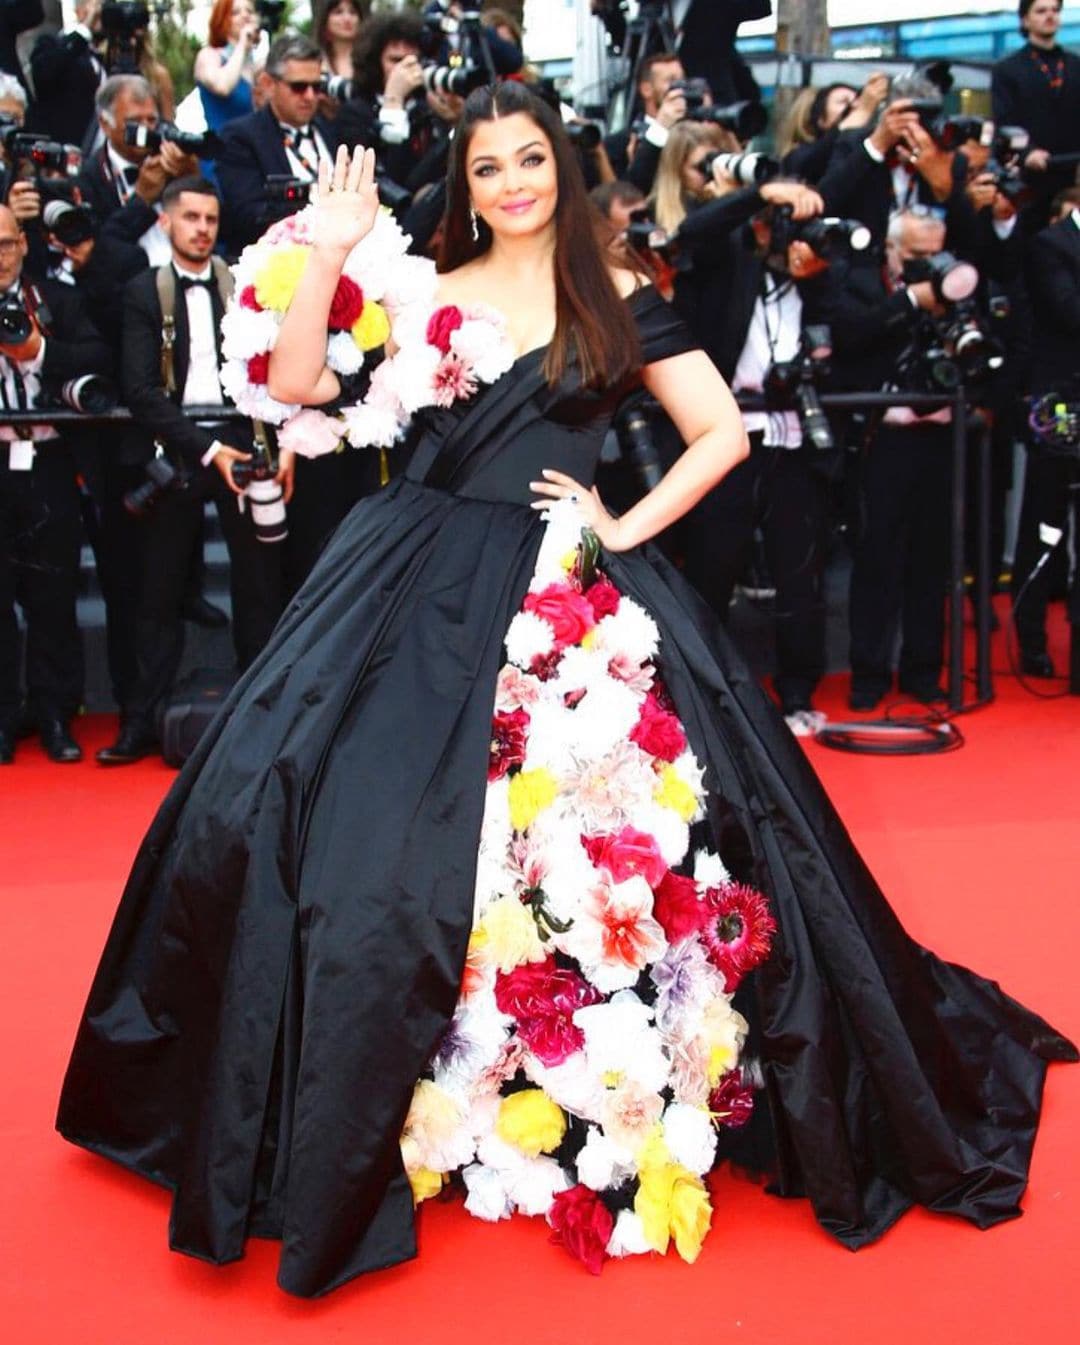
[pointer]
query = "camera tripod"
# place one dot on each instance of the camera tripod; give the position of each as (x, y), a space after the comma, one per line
(652, 29)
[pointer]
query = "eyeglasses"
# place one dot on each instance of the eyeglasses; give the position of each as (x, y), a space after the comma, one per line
(303, 85)
(9, 246)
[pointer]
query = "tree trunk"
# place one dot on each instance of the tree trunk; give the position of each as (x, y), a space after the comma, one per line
(802, 29)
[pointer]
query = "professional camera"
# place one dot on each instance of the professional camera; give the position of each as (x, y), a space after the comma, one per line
(744, 120)
(953, 280)
(826, 236)
(457, 79)
(792, 385)
(123, 23)
(40, 153)
(162, 478)
(204, 145)
(747, 169)
(471, 65)
(643, 234)
(15, 322)
(292, 191)
(69, 223)
(263, 493)
(695, 91)
(340, 87)
(89, 393)
(1008, 150)
(633, 429)
(271, 13)
(952, 132)
(583, 135)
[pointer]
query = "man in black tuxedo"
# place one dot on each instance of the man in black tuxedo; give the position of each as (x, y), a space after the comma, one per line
(284, 138)
(67, 74)
(707, 30)
(16, 16)
(661, 107)
(202, 453)
(1053, 275)
(1038, 88)
(40, 526)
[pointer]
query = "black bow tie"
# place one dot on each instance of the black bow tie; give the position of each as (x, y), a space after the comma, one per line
(190, 283)
(295, 136)
(131, 174)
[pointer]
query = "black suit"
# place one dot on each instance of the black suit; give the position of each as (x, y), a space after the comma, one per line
(16, 16)
(125, 221)
(175, 520)
(253, 149)
(40, 533)
(67, 75)
(1054, 283)
(1022, 96)
(707, 46)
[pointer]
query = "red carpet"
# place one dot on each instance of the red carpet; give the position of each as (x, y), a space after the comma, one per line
(980, 853)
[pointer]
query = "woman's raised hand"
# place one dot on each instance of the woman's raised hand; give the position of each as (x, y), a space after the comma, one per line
(347, 201)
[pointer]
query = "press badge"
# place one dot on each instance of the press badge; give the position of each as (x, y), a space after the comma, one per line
(21, 455)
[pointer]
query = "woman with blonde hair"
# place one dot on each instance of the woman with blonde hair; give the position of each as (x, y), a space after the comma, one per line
(680, 181)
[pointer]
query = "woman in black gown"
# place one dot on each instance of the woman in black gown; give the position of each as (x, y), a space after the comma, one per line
(289, 951)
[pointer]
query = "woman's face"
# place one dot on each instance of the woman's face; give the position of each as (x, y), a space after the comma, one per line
(342, 22)
(241, 17)
(694, 178)
(837, 103)
(511, 174)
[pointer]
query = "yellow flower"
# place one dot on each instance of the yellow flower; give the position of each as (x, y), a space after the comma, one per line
(276, 283)
(652, 1205)
(531, 1122)
(425, 1184)
(671, 1201)
(721, 1059)
(372, 328)
(673, 792)
(653, 1152)
(510, 935)
(569, 560)
(530, 793)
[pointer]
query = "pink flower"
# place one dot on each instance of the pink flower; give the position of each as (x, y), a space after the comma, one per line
(738, 931)
(629, 1112)
(454, 380)
(311, 434)
(618, 924)
(732, 1101)
(542, 997)
(567, 611)
(258, 368)
(678, 907)
(441, 326)
(638, 677)
(628, 853)
(515, 690)
(603, 597)
(247, 299)
(657, 731)
(583, 1224)
(508, 740)
(346, 305)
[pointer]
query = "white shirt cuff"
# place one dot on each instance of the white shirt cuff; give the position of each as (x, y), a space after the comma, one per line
(83, 32)
(873, 150)
(1004, 227)
(656, 134)
(394, 125)
(32, 366)
(211, 453)
(911, 298)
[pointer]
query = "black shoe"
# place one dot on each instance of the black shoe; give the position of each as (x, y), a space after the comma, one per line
(927, 693)
(1037, 665)
(57, 742)
(865, 698)
(7, 747)
(204, 613)
(132, 744)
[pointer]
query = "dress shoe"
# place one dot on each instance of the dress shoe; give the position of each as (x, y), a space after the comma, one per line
(7, 747)
(926, 693)
(56, 741)
(1036, 665)
(865, 698)
(132, 744)
(204, 613)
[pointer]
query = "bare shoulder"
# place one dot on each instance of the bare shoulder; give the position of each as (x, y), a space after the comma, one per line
(627, 282)
(457, 286)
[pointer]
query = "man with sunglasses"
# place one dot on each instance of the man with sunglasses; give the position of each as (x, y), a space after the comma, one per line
(284, 139)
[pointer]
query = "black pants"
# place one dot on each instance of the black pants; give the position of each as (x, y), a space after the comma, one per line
(1047, 482)
(256, 581)
(778, 490)
(900, 557)
(40, 536)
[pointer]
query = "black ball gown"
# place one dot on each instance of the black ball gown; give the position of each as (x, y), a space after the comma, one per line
(289, 951)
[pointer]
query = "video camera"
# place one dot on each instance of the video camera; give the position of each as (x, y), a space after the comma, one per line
(827, 236)
(123, 23)
(1055, 420)
(792, 385)
(205, 145)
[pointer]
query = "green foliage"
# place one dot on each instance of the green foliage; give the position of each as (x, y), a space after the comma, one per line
(175, 47)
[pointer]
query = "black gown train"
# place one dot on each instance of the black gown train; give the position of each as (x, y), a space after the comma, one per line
(289, 948)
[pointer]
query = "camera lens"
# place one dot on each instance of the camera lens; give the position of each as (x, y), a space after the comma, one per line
(267, 506)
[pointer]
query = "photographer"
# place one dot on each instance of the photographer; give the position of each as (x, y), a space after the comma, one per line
(124, 181)
(45, 342)
(819, 117)
(199, 460)
(285, 140)
(662, 107)
(901, 537)
(68, 71)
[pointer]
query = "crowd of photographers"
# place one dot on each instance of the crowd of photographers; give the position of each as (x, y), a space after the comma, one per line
(889, 247)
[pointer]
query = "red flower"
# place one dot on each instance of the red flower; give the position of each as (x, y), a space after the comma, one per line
(738, 931)
(626, 854)
(568, 613)
(508, 733)
(678, 908)
(258, 368)
(346, 305)
(603, 597)
(583, 1224)
(441, 326)
(248, 300)
(658, 731)
(542, 997)
(732, 1101)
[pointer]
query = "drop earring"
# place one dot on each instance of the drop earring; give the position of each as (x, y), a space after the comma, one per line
(475, 225)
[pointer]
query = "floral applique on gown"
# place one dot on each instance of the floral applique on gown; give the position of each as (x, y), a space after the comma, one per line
(401, 917)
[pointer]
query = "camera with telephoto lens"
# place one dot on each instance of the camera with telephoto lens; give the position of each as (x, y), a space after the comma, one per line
(746, 168)
(68, 222)
(952, 280)
(826, 235)
(263, 494)
(744, 120)
(633, 429)
(456, 79)
(93, 394)
(15, 322)
(340, 87)
(288, 190)
(271, 13)
(792, 385)
(695, 91)
(1008, 149)
(204, 145)
(957, 348)
(471, 66)
(162, 478)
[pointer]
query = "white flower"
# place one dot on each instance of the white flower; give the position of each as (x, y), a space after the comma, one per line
(620, 1040)
(484, 346)
(410, 375)
(470, 1045)
(601, 1163)
(535, 1183)
(666, 827)
(690, 1137)
(251, 398)
(377, 256)
(343, 355)
(410, 284)
(370, 426)
(630, 632)
(245, 332)
(311, 433)
(573, 1085)
(602, 719)
(579, 669)
(529, 637)
(709, 870)
(495, 827)
(615, 935)
(487, 1198)
(562, 536)
(628, 1236)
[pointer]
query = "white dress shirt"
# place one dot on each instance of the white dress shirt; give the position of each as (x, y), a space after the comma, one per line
(154, 241)
(20, 387)
(773, 337)
(300, 167)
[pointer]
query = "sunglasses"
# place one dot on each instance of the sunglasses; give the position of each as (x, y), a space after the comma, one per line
(303, 85)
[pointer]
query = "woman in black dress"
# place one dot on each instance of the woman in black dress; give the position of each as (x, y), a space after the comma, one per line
(402, 917)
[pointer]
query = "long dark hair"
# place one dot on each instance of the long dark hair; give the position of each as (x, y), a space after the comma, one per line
(377, 33)
(593, 324)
